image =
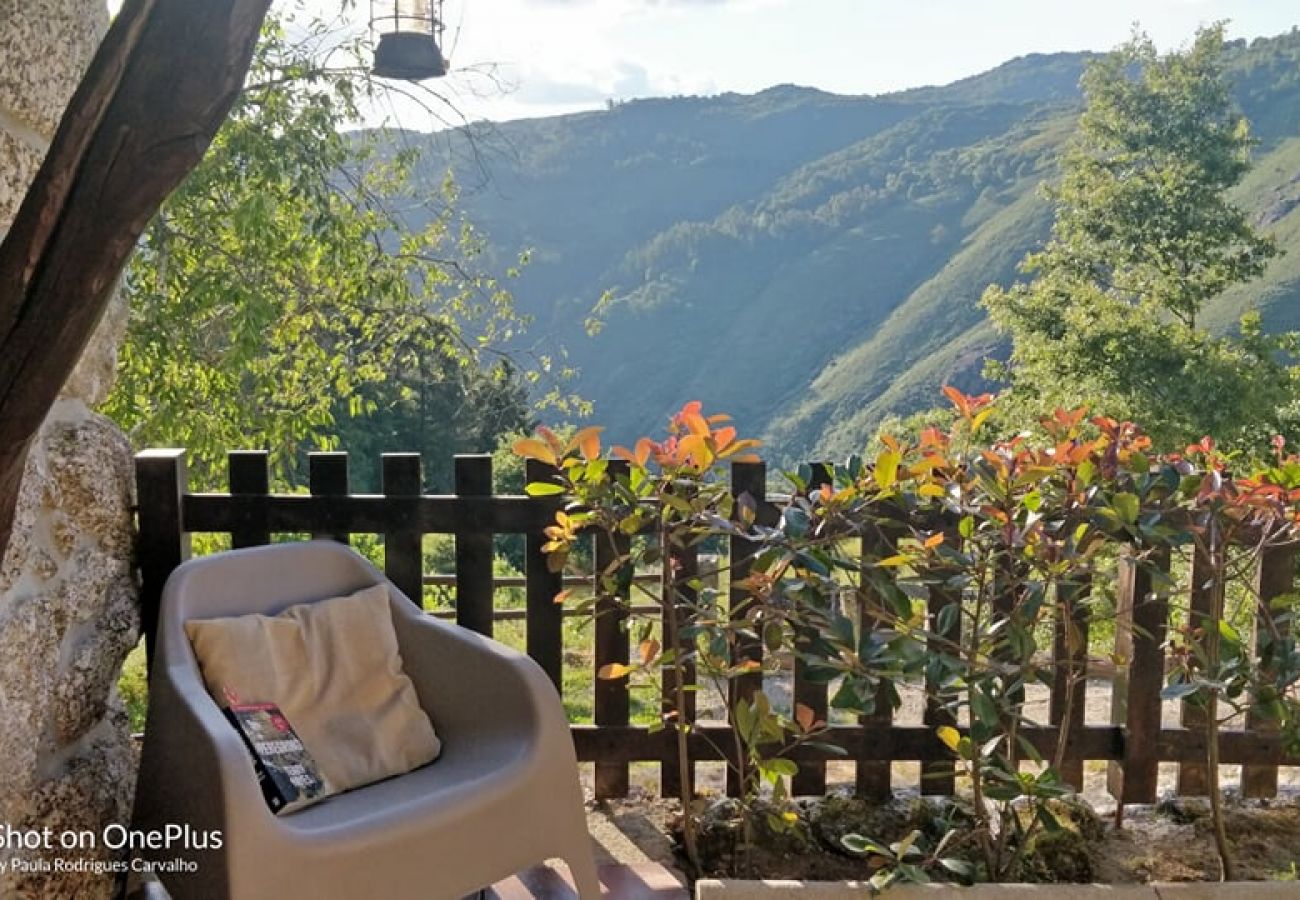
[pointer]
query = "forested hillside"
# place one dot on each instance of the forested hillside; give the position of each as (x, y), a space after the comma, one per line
(808, 262)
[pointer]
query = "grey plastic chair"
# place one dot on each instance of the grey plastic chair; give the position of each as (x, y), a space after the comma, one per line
(503, 795)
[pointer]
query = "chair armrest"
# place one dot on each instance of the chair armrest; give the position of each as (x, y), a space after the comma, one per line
(468, 683)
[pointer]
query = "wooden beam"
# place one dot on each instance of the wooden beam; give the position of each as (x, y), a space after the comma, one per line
(159, 87)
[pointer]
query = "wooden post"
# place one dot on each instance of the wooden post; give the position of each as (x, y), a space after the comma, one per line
(1070, 671)
(327, 476)
(1276, 575)
(1141, 622)
(474, 580)
(748, 480)
(612, 706)
(545, 618)
(403, 542)
(161, 480)
(811, 777)
(249, 477)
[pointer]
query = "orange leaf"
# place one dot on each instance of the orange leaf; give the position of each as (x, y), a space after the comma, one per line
(933, 437)
(562, 596)
(737, 446)
(958, 400)
(805, 717)
(640, 456)
(552, 440)
(611, 671)
(934, 540)
(588, 441)
(927, 463)
(532, 448)
(643, 448)
(648, 650)
(695, 423)
(694, 449)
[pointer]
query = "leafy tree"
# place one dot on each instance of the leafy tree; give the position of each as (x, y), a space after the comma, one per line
(438, 408)
(1144, 236)
(279, 300)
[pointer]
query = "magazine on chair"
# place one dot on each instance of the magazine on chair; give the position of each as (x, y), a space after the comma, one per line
(286, 772)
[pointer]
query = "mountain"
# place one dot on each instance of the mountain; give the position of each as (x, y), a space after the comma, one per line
(811, 263)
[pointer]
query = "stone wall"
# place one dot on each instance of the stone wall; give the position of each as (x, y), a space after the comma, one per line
(69, 603)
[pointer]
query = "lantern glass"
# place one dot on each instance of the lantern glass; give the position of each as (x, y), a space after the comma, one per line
(408, 32)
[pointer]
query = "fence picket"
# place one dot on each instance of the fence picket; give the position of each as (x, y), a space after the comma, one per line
(1141, 622)
(684, 568)
(249, 476)
(940, 777)
(1276, 573)
(810, 780)
(544, 622)
(612, 705)
(474, 589)
(872, 779)
(403, 543)
(161, 486)
(747, 480)
(327, 476)
(1193, 777)
(1069, 698)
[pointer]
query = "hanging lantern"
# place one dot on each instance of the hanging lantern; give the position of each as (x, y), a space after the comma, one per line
(409, 31)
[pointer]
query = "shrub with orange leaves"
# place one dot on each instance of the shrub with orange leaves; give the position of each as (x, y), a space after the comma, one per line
(1007, 532)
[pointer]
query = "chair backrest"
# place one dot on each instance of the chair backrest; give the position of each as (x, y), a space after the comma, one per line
(263, 580)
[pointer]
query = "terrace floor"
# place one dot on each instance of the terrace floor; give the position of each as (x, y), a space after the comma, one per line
(639, 881)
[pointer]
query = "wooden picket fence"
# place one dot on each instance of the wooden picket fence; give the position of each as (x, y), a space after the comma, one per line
(1133, 745)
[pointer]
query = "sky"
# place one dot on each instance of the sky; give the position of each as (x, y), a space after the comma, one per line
(523, 58)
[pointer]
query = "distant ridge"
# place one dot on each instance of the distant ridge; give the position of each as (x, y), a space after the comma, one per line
(811, 262)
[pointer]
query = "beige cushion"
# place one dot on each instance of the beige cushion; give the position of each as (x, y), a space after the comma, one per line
(334, 670)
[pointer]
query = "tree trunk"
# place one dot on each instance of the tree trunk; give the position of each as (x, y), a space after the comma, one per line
(155, 94)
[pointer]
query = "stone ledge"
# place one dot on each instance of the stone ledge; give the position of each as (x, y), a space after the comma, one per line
(711, 889)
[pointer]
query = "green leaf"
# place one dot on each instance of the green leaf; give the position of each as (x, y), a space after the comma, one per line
(1126, 506)
(984, 709)
(950, 736)
(543, 489)
(886, 471)
(946, 621)
(773, 636)
(779, 767)
(958, 867)
(1178, 690)
(1229, 633)
(856, 843)
(905, 846)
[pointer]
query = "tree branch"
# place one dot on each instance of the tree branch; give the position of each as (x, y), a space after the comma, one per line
(155, 94)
